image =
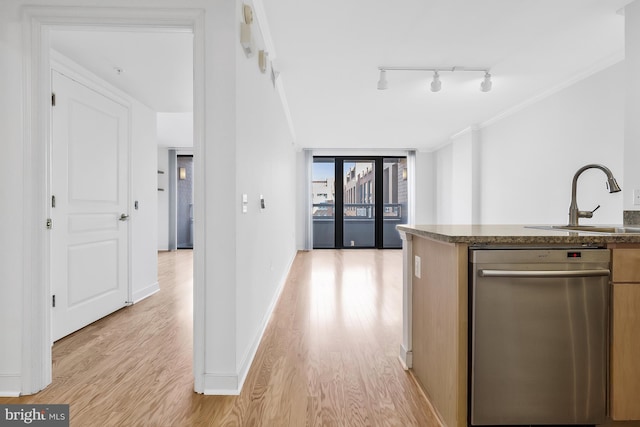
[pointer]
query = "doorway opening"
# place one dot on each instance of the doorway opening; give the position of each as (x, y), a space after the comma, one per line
(41, 23)
(358, 201)
(131, 180)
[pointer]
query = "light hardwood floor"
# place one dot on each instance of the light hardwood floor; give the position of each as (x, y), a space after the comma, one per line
(328, 357)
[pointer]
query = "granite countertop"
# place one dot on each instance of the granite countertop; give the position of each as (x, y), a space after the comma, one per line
(513, 235)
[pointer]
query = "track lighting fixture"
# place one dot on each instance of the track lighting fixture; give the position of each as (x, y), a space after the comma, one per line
(436, 84)
(486, 84)
(382, 82)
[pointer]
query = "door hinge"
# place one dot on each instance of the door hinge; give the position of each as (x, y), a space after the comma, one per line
(53, 99)
(49, 223)
(53, 301)
(53, 201)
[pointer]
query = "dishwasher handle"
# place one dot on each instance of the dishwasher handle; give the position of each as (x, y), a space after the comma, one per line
(543, 273)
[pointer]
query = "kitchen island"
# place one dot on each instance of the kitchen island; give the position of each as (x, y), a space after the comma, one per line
(436, 309)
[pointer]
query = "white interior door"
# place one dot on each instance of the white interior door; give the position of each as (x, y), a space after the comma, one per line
(89, 181)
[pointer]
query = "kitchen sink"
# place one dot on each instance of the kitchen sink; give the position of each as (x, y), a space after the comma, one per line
(602, 229)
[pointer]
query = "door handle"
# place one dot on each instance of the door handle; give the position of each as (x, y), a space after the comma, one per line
(124, 217)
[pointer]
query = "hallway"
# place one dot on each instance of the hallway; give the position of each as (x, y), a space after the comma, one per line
(328, 357)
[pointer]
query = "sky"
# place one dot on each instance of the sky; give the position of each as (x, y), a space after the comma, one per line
(323, 170)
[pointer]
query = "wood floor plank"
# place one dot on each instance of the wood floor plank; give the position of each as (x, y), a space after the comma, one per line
(328, 356)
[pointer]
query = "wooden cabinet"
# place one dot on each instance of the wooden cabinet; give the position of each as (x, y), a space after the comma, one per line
(625, 333)
(440, 327)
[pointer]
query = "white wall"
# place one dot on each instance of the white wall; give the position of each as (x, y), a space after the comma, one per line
(12, 205)
(462, 182)
(248, 151)
(455, 179)
(444, 196)
(265, 239)
(526, 160)
(219, 169)
(632, 103)
(425, 187)
(175, 130)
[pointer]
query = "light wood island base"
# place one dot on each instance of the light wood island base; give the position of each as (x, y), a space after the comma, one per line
(435, 330)
(440, 327)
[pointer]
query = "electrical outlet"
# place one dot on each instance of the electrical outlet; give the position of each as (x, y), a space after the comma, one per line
(416, 266)
(636, 197)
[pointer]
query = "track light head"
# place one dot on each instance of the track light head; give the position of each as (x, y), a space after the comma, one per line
(486, 84)
(436, 84)
(382, 82)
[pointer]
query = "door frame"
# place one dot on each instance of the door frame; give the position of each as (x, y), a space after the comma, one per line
(339, 214)
(38, 21)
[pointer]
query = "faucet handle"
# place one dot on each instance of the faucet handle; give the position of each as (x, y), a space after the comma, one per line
(587, 214)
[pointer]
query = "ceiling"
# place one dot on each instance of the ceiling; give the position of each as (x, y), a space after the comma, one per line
(328, 53)
(156, 67)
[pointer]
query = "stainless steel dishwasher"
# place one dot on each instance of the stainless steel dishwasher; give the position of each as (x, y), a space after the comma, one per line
(539, 336)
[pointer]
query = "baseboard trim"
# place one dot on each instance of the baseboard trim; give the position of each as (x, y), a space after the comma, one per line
(221, 384)
(10, 385)
(231, 384)
(406, 358)
(251, 353)
(426, 397)
(145, 292)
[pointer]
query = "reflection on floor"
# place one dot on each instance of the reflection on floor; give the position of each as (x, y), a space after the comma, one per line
(328, 357)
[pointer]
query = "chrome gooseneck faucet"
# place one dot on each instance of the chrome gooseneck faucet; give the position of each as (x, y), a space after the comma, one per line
(574, 212)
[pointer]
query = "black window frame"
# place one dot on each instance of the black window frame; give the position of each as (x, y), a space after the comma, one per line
(378, 162)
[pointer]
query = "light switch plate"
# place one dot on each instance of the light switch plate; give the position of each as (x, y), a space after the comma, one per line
(245, 202)
(417, 266)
